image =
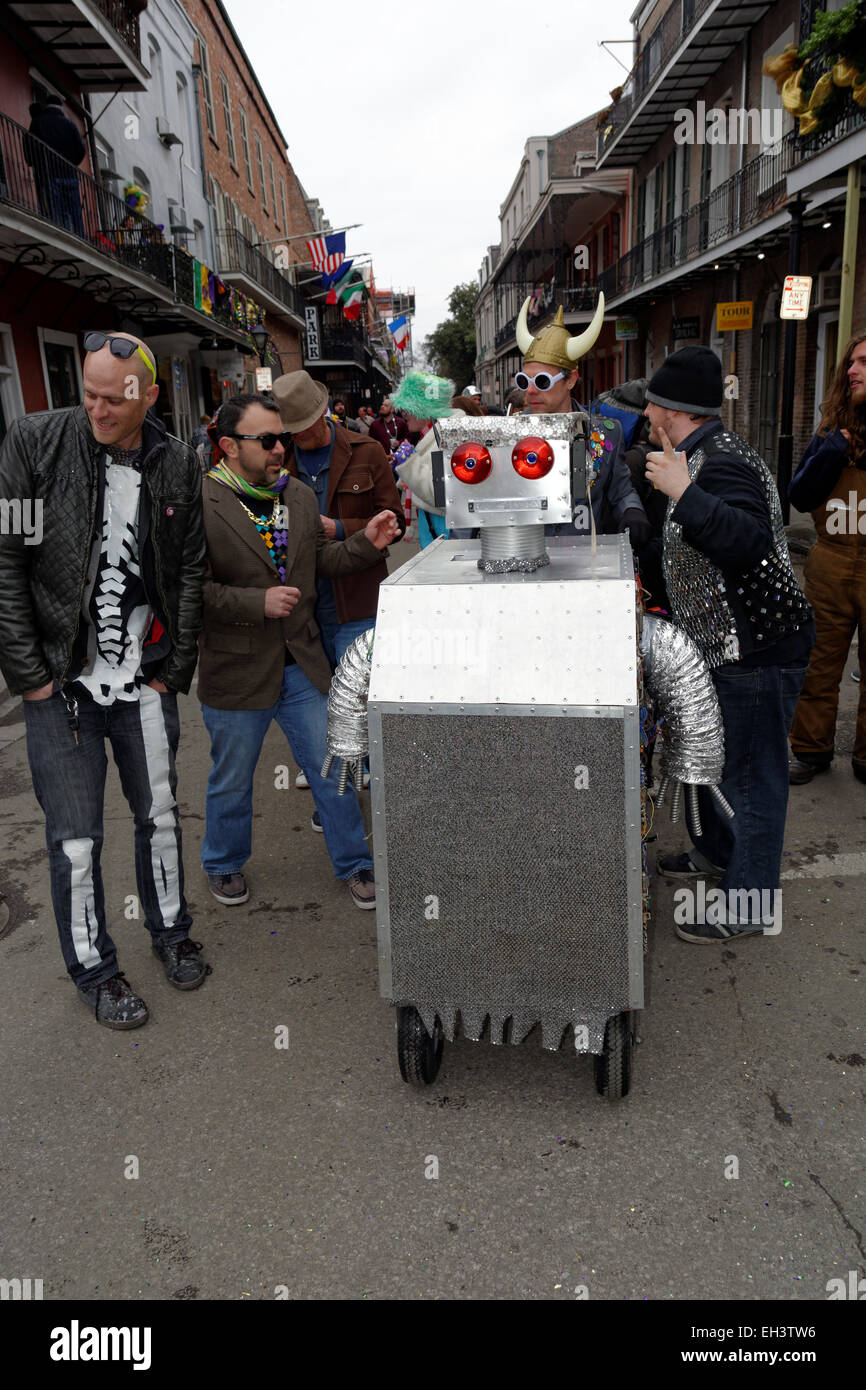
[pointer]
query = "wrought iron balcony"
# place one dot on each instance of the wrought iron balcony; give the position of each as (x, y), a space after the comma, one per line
(573, 298)
(238, 258)
(342, 347)
(750, 196)
(39, 183)
(97, 40)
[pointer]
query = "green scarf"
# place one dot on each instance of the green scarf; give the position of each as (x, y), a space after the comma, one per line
(221, 473)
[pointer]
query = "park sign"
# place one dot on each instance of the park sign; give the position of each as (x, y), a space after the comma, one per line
(264, 378)
(734, 315)
(686, 328)
(795, 297)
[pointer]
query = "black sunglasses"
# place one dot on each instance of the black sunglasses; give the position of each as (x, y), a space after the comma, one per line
(267, 441)
(119, 347)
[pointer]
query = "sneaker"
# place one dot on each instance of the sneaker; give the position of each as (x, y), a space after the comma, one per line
(799, 772)
(684, 866)
(114, 1003)
(316, 822)
(704, 932)
(362, 888)
(855, 675)
(301, 781)
(230, 889)
(184, 967)
(859, 770)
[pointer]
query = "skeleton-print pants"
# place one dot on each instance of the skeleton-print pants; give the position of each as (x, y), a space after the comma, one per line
(69, 781)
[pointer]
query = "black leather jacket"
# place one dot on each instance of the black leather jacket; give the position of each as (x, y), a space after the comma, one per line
(52, 458)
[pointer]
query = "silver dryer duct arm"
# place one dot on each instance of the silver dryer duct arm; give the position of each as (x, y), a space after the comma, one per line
(693, 747)
(348, 737)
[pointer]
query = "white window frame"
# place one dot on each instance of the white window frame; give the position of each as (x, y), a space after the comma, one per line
(227, 117)
(10, 379)
(51, 335)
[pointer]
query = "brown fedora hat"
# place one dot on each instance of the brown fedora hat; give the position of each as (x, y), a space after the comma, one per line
(302, 401)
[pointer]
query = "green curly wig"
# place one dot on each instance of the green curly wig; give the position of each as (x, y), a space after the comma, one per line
(424, 396)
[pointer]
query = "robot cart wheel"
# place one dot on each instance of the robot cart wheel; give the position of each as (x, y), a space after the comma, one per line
(613, 1067)
(419, 1054)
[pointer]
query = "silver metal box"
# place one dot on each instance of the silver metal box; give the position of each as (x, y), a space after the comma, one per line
(504, 751)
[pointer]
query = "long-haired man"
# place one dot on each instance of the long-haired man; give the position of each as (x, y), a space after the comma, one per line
(831, 484)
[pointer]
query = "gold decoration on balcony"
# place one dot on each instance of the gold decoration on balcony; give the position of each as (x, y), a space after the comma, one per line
(782, 66)
(837, 43)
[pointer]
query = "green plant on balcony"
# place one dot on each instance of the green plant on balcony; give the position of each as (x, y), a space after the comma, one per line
(837, 44)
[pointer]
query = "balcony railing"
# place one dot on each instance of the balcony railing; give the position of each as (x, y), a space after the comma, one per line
(754, 193)
(664, 40)
(123, 17)
(342, 347)
(236, 254)
(36, 180)
(573, 298)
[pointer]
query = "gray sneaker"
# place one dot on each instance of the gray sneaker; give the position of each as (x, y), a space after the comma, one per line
(114, 1003)
(362, 888)
(230, 889)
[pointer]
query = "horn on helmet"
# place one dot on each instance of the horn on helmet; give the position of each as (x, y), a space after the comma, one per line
(521, 332)
(576, 347)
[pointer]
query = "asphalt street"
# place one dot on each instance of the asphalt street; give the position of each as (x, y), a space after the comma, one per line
(307, 1168)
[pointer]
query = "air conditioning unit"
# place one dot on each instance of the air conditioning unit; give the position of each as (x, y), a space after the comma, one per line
(165, 132)
(829, 289)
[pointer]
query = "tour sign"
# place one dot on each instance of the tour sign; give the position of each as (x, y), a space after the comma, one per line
(795, 297)
(734, 315)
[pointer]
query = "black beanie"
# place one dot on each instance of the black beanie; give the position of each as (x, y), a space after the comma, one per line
(689, 380)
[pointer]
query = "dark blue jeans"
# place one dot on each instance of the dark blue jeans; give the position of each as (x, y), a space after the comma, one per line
(69, 781)
(757, 705)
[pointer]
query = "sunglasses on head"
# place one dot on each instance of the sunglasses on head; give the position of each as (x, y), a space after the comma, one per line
(267, 441)
(119, 347)
(542, 381)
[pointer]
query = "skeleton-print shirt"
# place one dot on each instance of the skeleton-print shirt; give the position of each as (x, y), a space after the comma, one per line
(114, 605)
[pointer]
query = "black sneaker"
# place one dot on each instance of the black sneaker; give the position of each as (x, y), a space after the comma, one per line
(316, 822)
(683, 866)
(362, 889)
(114, 1003)
(859, 770)
(705, 932)
(184, 967)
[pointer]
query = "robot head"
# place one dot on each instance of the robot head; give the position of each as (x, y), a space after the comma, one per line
(510, 470)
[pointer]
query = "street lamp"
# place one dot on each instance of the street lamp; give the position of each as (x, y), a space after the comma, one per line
(260, 337)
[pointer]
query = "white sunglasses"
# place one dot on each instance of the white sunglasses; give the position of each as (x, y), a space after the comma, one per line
(542, 381)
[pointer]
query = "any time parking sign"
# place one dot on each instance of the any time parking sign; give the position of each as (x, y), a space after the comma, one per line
(795, 297)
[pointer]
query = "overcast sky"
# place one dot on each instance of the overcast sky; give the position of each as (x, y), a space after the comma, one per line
(411, 118)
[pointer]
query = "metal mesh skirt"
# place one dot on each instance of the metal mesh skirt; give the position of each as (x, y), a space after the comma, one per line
(507, 893)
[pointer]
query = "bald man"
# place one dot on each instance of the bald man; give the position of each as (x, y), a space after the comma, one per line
(102, 592)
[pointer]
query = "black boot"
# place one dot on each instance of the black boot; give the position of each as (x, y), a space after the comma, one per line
(184, 967)
(114, 1003)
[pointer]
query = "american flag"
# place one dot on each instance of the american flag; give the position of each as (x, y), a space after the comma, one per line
(327, 252)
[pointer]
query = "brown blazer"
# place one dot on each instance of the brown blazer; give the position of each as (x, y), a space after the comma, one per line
(241, 652)
(360, 484)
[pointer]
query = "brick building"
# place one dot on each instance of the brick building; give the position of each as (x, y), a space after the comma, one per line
(560, 224)
(258, 204)
(712, 218)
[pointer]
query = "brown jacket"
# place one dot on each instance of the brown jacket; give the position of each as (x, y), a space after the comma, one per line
(241, 652)
(360, 484)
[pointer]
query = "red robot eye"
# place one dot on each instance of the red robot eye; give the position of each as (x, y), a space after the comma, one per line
(471, 463)
(532, 458)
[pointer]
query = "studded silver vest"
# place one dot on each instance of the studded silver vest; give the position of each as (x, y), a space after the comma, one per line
(772, 599)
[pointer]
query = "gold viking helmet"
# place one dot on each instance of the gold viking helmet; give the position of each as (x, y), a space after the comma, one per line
(554, 345)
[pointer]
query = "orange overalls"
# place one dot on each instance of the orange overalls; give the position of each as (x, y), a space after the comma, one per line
(835, 584)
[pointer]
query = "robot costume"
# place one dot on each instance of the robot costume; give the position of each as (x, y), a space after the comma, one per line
(502, 705)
